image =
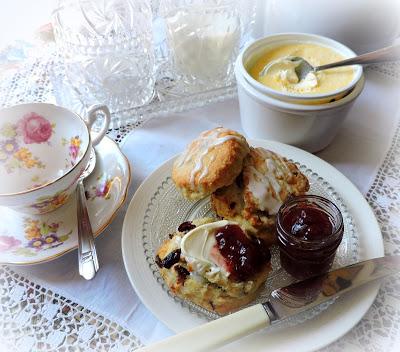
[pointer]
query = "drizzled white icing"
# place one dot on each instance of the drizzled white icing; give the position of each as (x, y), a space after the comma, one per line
(263, 183)
(205, 169)
(265, 189)
(205, 143)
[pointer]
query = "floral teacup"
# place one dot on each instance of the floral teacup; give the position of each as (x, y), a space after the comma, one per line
(44, 149)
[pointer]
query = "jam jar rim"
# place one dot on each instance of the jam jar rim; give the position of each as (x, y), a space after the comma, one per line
(338, 227)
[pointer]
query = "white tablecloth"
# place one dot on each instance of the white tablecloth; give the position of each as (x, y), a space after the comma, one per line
(357, 151)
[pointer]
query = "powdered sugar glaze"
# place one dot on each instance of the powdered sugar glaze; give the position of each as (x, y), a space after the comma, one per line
(196, 152)
(264, 182)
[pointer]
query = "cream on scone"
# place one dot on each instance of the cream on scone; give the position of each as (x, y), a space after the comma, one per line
(214, 264)
(211, 161)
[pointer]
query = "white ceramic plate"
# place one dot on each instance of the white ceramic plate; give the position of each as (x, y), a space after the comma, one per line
(140, 236)
(31, 239)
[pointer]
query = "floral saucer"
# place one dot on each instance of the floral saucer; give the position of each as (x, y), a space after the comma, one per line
(31, 239)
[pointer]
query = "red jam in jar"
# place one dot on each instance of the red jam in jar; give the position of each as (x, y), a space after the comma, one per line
(309, 230)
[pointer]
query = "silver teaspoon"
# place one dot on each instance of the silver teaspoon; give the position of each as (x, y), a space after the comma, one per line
(303, 68)
(87, 256)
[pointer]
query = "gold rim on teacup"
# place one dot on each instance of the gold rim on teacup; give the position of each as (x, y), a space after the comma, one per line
(72, 163)
(104, 224)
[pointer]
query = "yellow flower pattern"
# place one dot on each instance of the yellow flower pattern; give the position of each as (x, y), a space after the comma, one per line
(9, 147)
(25, 156)
(15, 139)
(32, 229)
(75, 142)
(42, 235)
(47, 204)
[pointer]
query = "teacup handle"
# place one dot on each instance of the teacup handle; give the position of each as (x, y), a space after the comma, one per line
(92, 116)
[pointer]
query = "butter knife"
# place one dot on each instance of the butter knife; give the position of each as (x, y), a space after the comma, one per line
(283, 303)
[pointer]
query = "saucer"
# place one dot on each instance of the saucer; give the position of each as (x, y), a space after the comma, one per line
(32, 239)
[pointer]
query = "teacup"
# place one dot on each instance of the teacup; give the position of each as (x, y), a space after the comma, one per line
(44, 149)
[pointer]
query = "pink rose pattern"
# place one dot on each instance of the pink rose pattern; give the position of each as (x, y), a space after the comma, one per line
(102, 189)
(74, 149)
(8, 242)
(14, 152)
(35, 128)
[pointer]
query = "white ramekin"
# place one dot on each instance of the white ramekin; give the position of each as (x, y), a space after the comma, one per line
(256, 49)
(310, 127)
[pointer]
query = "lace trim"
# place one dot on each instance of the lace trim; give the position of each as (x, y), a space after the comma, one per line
(379, 330)
(35, 318)
(389, 69)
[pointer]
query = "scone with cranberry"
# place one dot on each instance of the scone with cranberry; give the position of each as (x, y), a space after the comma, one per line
(214, 264)
(211, 161)
(253, 200)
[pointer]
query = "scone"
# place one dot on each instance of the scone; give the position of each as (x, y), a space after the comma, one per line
(211, 161)
(253, 200)
(214, 264)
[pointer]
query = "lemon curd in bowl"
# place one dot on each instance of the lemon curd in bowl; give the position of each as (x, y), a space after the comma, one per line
(268, 65)
(282, 77)
(308, 120)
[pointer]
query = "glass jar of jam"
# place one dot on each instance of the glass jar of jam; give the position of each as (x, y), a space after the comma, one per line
(309, 230)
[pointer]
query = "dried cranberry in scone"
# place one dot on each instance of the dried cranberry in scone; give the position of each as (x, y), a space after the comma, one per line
(220, 267)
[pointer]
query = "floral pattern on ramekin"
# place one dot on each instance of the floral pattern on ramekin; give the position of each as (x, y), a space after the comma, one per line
(15, 138)
(75, 152)
(39, 236)
(102, 189)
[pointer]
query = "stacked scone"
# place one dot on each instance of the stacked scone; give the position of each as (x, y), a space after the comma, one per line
(222, 264)
(253, 200)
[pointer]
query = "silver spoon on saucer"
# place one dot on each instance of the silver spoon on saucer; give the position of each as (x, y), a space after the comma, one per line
(303, 68)
(87, 256)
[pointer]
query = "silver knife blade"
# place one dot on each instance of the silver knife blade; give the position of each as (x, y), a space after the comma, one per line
(298, 297)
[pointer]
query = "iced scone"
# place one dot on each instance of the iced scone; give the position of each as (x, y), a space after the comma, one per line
(214, 264)
(211, 161)
(253, 200)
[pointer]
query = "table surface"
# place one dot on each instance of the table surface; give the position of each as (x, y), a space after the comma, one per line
(366, 150)
(358, 151)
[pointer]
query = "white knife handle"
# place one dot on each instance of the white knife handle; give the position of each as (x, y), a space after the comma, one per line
(214, 334)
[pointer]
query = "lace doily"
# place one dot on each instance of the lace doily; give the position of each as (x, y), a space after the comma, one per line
(379, 330)
(34, 318)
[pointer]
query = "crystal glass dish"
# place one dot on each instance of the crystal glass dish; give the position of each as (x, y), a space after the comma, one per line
(107, 50)
(170, 93)
(203, 40)
(159, 106)
(168, 209)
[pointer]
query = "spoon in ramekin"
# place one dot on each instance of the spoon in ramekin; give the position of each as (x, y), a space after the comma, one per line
(303, 67)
